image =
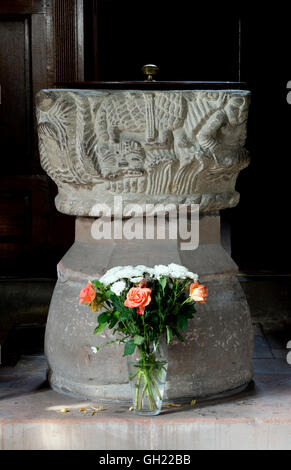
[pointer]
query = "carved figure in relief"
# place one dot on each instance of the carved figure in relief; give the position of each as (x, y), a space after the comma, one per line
(191, 158)
(64, 147)
(220, 145)
(157, 143)
(212, 148)
(199, 110)
(154, 117)
(135, 129)
(122, 159)
(223, 136)
(54, 121)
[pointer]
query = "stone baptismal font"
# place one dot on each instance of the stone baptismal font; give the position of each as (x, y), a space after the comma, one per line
(146, 143)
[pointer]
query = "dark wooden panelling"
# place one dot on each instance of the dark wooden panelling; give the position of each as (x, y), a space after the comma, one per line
(39, 75)
(33, 236)
(8, 7)
(68, 38)
(24, 206)
(15, 108)
(80, 39)
(15, 222)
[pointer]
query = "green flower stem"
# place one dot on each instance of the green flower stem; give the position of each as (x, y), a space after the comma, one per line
(144, 328)
(131, 377)
(152, 401)
(156, 388)
(149, 391)
(140, 350)
(141, 396)
(137, 388)
(146, 388)
(147, 377)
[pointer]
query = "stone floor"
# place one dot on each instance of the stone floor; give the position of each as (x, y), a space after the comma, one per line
(258, 418)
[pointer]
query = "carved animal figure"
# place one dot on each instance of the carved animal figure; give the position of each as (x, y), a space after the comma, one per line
(123, 159)
(155, 116)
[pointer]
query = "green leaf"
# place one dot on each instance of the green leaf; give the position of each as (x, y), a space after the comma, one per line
(179, 336)
(163, 282)
(169, 334)
(108, 294)
(98, 284)
(182, 322)
(114, 319)
(129, 348)
(158, 297)
(138, 340)
(124, 316)
(104, 317)
(99, 328)
(120, 307)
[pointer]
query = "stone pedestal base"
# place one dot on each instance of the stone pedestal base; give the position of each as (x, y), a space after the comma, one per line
(216, 355)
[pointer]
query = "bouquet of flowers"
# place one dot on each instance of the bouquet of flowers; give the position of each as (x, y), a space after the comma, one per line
(141, 305)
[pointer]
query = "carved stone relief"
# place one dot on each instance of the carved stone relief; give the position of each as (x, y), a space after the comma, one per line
(174, 146)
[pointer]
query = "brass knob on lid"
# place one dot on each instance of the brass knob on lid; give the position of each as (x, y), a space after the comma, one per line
(150, 70)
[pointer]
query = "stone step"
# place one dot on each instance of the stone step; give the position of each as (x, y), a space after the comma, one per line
(30, 417)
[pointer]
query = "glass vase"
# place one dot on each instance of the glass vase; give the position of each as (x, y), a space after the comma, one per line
(147, 370)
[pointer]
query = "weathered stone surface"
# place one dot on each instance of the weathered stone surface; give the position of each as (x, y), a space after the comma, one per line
(175, 146)
(258, 418)
(216, 355)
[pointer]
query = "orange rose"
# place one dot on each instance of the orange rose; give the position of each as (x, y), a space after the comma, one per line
(138, 297)
(198, 292)
(87, 294)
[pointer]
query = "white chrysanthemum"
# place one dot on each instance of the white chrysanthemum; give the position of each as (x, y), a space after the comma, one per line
(124, 272)
(135, 280)
(137, 273)
(141, 269)
(177, 271)
(113, 270)
(193, 276)
(118, 287)
(128, 272)
(150, 272)
(161, 270)
(112, 275)
(181, 272)
(117, 273)
(94, 349)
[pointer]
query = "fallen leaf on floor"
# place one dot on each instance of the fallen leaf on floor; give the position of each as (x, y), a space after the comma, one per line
(130, 408)
(193, 402)
(174, 405)
(100, 408)
(63, 410)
